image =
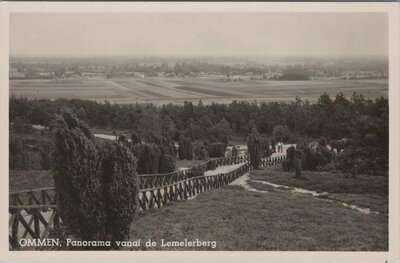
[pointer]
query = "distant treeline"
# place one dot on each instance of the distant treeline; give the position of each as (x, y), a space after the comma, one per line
(333, 118)
(297, 69)
(359, 126)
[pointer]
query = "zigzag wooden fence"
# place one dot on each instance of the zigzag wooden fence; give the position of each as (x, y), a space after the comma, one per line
(34, 212)
(157, 180)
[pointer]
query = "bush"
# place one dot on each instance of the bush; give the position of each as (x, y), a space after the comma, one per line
(234, 151)
(185, 149)
(96, 182)
(288, 164)
(197, 171)
(281, 133)
(135, 138)
(313, 157)
(122, 139)
(203, 154)
(211, 165)
(254, 148)
(167, 164)
(121, 191)
(297, 167)
(77, 177)
(217, 150)
(148, 156)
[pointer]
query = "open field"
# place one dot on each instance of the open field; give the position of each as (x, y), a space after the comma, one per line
(241, 220)
(161, 90)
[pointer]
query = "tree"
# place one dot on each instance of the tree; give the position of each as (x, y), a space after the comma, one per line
(148, 158)
(220, 131)
(281, 133)
(216, 150)
(234, 151)
(297, 167)
(96, 182)
(185, 149)
(135, 138)
(203, 154)
(167, 164)
(254, 149)
(288, 164)
(77, 178)
(121, 190)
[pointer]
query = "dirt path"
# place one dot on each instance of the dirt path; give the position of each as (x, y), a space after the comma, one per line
(243, 182)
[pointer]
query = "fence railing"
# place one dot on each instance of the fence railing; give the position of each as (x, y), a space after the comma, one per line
(33, 221)
(34, 212)
(185, 189)
(156, 180)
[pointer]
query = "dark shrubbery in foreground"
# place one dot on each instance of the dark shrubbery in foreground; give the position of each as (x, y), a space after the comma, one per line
(96, 182)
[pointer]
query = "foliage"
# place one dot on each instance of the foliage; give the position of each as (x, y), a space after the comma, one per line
(254, 149)
(135, 138)
(196, 171)
(216, 150)
(21, 125)
(121, 185)
(287, 165)
(297, 167)
(355, 124)
(203, 154)
(167, 164)
(96, 182)
(234, 151)
(185, 149)
(148, 156)
(281, 133)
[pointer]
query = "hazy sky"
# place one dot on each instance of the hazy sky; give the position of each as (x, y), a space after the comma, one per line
(215, 34)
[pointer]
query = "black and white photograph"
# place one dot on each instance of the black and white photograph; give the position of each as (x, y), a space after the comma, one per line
(135, 131)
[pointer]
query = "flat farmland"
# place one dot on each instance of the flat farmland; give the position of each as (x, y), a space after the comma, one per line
(160, 90)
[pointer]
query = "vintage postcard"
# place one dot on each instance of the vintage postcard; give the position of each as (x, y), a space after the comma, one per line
(200, 132)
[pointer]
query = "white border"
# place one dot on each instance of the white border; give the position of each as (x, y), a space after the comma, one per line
(392, 9)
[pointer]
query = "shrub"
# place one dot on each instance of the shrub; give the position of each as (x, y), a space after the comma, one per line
(281, 133)
(148, 156)
(167, 164)
(185, 149)
(234, 151)
(95, 181)
(217, 150)
(288, 164)
(197, 171)
(122, 139)
(135, 138)
(203, 154)
(77, 177)
(297, 167)
(254, 149)
(121, 191)
(211, 165)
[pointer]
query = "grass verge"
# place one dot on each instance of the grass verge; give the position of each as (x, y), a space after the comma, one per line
(240, 220)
